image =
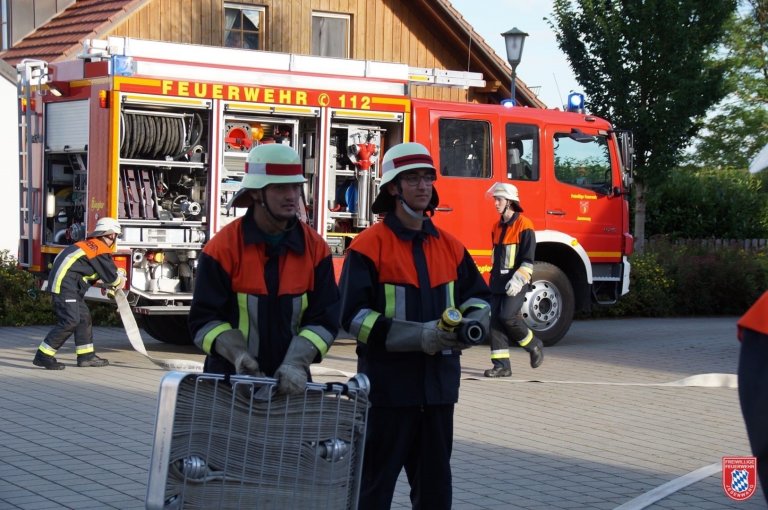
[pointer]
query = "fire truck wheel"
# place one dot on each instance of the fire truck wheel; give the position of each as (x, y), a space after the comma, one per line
(171, 329)
(548, 307)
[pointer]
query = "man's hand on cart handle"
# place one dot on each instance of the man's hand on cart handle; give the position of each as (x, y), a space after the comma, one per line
(292, 375)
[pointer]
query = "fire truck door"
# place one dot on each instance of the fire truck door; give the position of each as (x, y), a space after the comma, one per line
(463, 148)
(582, 202)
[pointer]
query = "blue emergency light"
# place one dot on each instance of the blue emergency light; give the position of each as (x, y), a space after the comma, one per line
(508, 103)
(122, 66)
(576, 102)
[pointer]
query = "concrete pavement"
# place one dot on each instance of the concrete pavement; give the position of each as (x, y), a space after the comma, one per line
(597, 426)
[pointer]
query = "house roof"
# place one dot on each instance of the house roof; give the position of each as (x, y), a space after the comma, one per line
(61, 37)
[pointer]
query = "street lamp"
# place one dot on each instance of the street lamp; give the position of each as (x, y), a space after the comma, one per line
(514, 40)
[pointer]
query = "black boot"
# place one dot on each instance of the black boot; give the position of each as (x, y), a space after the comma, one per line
(500, 369)
(47, 362)
(91, 360)
(536, 349)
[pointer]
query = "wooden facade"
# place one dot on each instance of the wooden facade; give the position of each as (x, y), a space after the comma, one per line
(420, 33)
(383, 30)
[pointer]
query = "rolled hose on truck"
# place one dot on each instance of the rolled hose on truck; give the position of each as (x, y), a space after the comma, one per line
(145, 135)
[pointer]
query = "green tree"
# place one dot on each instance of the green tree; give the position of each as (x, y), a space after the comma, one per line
(739, 129)
(643, 65)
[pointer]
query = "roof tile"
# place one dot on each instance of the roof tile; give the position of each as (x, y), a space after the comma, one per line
(61, 34)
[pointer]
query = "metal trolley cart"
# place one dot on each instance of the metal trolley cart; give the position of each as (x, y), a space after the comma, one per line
(232, 442)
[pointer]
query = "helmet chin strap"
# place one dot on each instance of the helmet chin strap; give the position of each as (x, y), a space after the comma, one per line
(407, 208)
(506, 208)
(274, 219)
(413, 214)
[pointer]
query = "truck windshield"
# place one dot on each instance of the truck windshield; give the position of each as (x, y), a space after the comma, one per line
(586, 164)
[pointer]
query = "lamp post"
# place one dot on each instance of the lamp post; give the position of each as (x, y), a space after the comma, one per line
(514, 40)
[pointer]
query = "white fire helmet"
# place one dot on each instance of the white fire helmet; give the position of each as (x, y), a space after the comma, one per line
(105, 226)
(507, 191)
(398, 159)
(272, 163)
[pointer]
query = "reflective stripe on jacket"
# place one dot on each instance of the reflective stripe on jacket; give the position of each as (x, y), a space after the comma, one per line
(80, 265)
(270, 293)
(513, 243)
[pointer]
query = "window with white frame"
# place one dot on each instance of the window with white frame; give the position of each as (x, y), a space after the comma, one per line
(330, 34)
(244, 26)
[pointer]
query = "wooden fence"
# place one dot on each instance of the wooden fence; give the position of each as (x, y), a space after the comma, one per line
(711, 244)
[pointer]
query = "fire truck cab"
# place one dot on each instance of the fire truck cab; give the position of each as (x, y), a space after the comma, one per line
(156, 134)
(569, 172)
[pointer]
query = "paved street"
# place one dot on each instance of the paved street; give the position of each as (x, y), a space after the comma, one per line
(604, 423)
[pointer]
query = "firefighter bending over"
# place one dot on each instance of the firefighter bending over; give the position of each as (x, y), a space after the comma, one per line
(514, 248)
(74, 271)
(265, 299)
(399, 276)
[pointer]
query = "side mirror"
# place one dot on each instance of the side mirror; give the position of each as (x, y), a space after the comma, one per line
(617, 192)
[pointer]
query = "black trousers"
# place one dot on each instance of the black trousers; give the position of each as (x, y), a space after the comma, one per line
(753, 395)
(73, 317)
(417, 438)
(507, 324)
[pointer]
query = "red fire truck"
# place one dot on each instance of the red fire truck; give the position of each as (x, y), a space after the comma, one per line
(156, 134)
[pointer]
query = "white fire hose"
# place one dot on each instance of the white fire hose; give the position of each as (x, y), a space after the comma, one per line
(134, 336)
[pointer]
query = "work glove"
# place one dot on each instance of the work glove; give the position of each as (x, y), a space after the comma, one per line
(520, 279)
(409, 336)
(231, 346)
(292, 374)
(123, 279)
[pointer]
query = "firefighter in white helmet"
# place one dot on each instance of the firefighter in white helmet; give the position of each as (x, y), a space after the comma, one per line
(266, 299)
(74, 271)
(514, 247)
(399, 276)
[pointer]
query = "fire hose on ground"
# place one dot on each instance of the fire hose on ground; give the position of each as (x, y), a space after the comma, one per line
(134, 336)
